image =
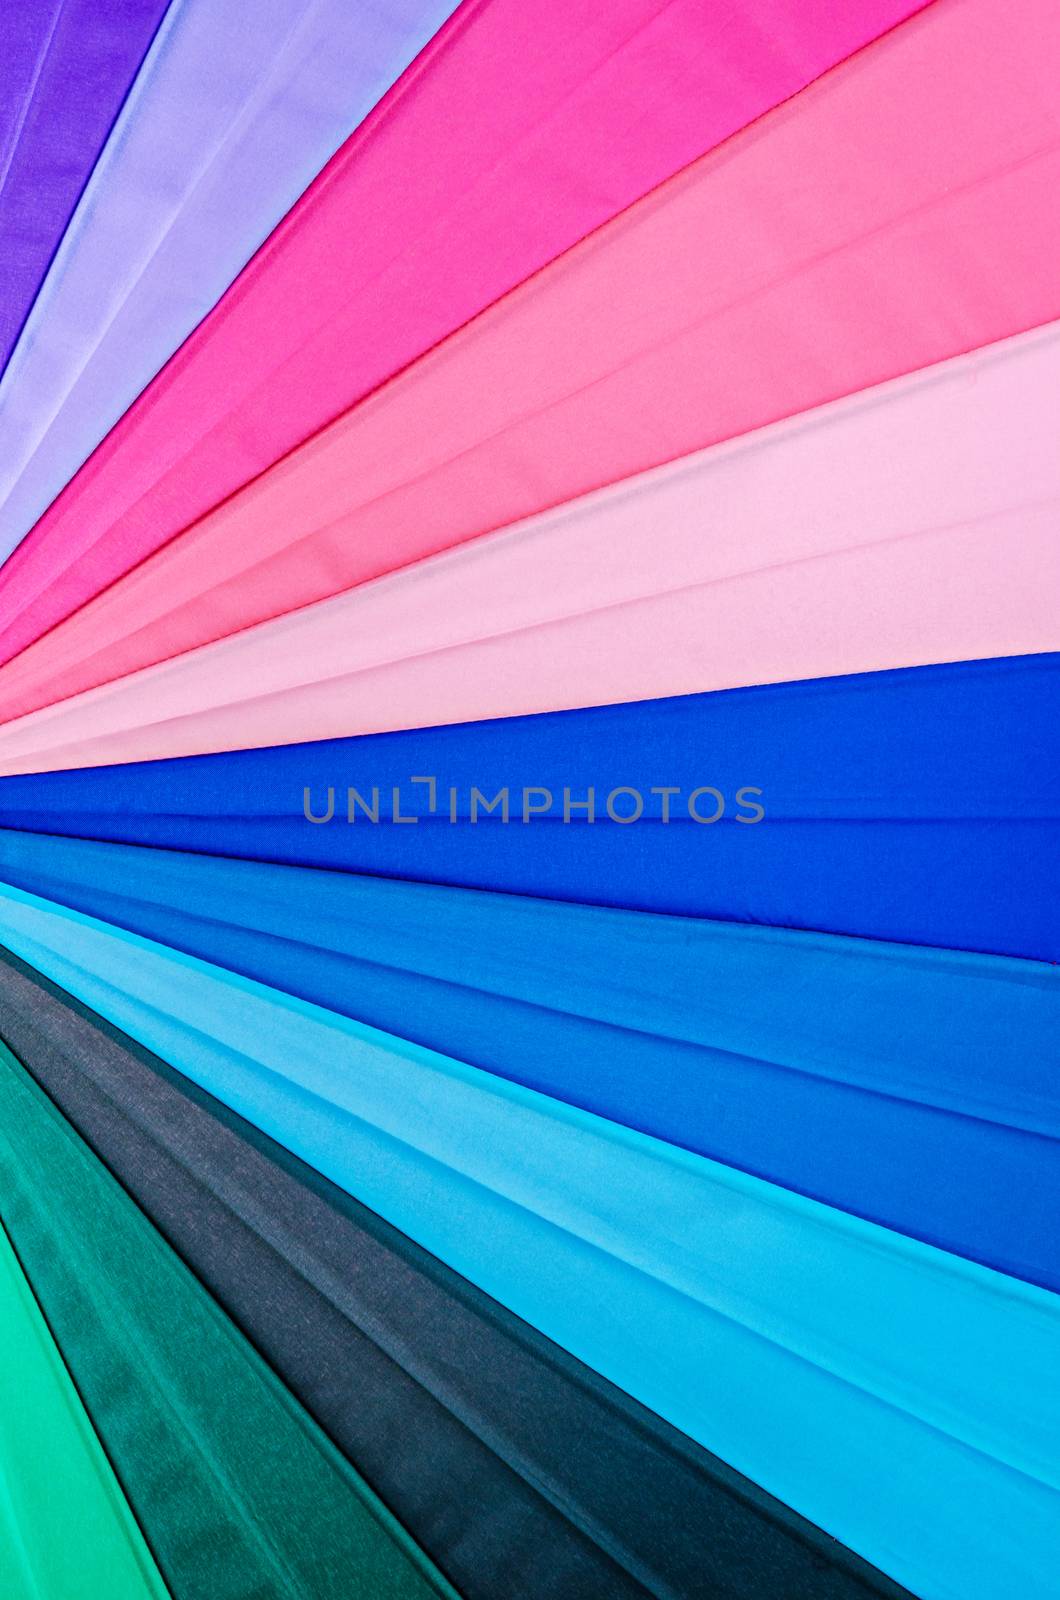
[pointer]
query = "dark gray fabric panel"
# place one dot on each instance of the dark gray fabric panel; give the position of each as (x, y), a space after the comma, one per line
(519, 1471)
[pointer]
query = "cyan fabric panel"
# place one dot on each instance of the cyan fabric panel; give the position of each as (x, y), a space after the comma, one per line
(921, 1082)
(530, 1475)
(732, 1307)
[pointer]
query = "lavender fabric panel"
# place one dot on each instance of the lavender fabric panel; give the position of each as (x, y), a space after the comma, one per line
(65, 69)
(233, 113)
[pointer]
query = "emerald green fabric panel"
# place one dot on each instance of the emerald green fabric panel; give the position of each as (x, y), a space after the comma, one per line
(66, 1531)
(239, 1493)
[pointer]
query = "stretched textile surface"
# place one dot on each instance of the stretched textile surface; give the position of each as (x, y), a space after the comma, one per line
(907, 196)
(65, 68)
(921, 1082)
(65, 1528)
(236, 1489)
(529, 800)
(918, 806)
(522, 127)
(934, 539)
(531, 1475)
(226, 125)
(639, 1258)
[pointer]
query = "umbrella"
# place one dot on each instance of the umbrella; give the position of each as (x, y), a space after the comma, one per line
(684, 322)
(521, 128)
(624, 1250)
(528, 800)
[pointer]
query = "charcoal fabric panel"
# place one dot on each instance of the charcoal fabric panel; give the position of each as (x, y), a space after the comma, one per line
(238, 1492)
(921, 805)
(532, 1476)
(921, 1081)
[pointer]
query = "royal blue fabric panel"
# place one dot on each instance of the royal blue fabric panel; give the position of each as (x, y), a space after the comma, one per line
(919, 806)
(65, 69)
(922, 1083)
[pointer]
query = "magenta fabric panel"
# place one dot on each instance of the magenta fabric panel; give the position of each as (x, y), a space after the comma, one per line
(522, 127)
(904, 525)
(896, 213)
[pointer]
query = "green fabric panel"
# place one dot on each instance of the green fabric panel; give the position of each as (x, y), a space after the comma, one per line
(66, 1531)
(239, 1493)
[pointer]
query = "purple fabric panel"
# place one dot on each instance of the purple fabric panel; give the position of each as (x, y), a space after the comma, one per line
(65, 69)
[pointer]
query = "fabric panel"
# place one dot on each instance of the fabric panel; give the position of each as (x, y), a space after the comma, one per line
(531, 1476)
(237, 1491)
(638, 1257)
(893, 215)
(520, 128)
(907, 525)
(225, 127)
(65, 1528)
(915, 806)
(920, 1081)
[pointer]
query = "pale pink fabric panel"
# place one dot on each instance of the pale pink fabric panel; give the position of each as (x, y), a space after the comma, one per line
(899, 212)
(523, 126)
(911, 524)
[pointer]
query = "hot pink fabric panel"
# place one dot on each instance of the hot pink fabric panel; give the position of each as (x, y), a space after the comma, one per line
(909, 524)
(522, 127)
(897, 213)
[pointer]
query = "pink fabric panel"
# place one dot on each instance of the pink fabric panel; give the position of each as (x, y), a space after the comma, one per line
(522, 127)
(897, 213)
(910, 524)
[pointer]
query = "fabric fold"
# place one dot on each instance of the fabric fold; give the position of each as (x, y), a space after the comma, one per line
(903, 526)
(918, 806)
(224, 128)
(892, 1061)
(913, 180)
(639, 1258)
(65, 1527)
(67, 67)
(530, 1474)
(236, 1488)
(522, 127)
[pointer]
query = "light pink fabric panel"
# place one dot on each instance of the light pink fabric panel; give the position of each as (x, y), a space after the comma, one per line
(897, 213)
(524, 125)
(911, 524)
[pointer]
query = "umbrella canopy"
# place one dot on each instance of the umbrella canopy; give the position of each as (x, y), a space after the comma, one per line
(529, 800)
(636, 1256)
(686, 321)
(520, 128)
